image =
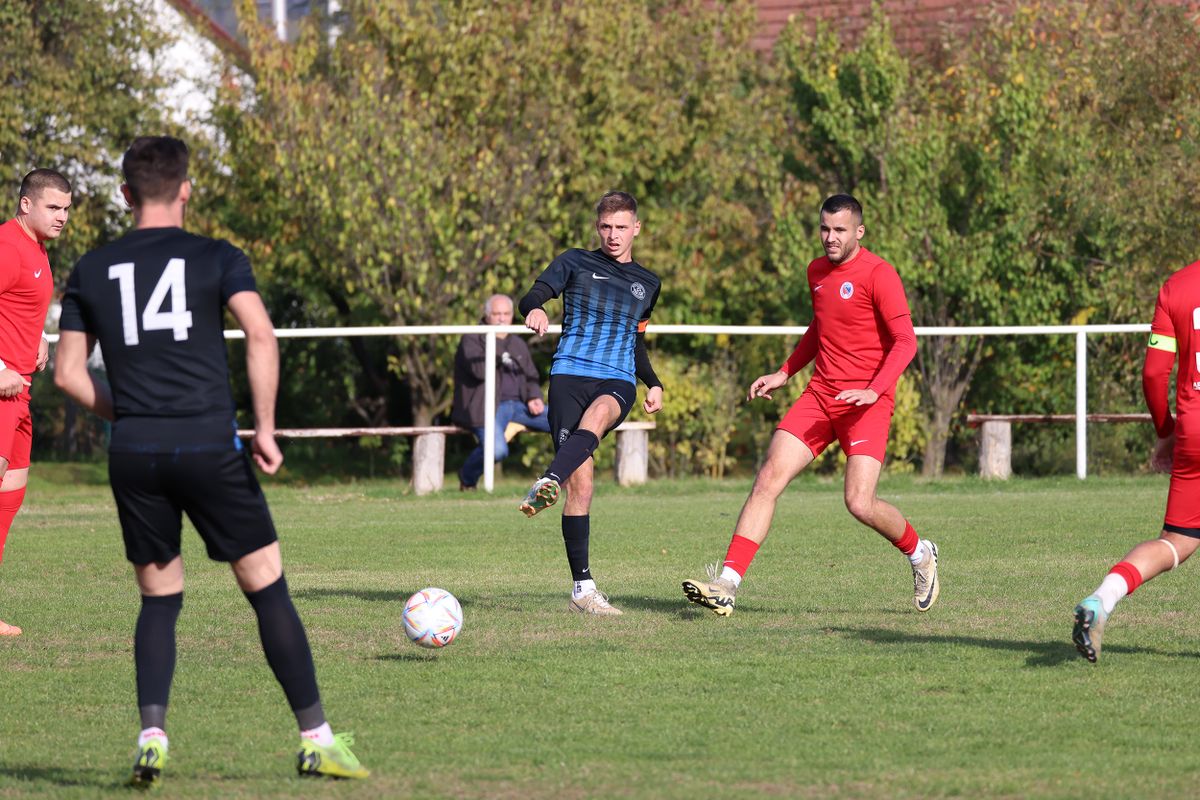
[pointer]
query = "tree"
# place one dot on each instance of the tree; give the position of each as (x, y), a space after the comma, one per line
(441, 151)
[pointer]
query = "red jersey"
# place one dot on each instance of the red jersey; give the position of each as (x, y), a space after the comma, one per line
(1174, 332)
(25, 291)
(862, 334)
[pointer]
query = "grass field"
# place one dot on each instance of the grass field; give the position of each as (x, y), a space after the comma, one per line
(824, 683)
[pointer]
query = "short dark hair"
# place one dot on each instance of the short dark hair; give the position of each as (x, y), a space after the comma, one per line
(154, 168)
(841, 202)
(38, 180)
(612, 202)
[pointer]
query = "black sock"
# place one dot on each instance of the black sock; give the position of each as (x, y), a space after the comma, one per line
(154, 656)
(575, 532)
(574, 451)
(287, 651)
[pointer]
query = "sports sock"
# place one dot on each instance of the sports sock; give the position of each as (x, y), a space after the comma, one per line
(153, 733)
(737, 558)
(576, 532)
(910, 544)
(583, 588)
(322, 734)
(1120, 581)
(154, 656)
(286, 647)
(575, 450)
(10, 504)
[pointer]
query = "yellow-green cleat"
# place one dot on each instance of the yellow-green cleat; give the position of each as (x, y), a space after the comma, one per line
(147, 769)
(334, 761)
(716, 593)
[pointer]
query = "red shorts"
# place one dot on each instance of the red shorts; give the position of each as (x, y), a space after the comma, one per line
(1183, 499)
(16, 430)
(817, 420)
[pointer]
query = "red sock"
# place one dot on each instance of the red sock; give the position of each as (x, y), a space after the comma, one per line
(10, 504)
(1133, 578)
(740, 553)
(908, 541)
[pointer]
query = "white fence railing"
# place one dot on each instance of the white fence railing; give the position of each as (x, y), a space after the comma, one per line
(1080, 332)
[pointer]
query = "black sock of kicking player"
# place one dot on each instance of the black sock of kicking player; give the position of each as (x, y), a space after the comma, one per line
(287, 651)
(575, 450)
(154, 656)
(575, 536)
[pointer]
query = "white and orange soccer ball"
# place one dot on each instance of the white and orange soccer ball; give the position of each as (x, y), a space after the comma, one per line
(432, 617)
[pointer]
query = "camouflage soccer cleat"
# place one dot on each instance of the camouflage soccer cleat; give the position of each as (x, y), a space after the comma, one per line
(542, 495)
(925, 579)
(334, 761)
(147, 769)
(594, 603)
(715, 593)
(1089, 627)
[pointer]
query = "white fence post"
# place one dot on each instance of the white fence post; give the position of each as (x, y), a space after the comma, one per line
(1081, 404)
(489, 409)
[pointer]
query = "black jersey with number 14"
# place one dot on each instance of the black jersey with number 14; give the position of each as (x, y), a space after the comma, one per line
(155, 299)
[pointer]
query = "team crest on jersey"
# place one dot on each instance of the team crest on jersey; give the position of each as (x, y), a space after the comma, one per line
(847, 290)
(638, 290)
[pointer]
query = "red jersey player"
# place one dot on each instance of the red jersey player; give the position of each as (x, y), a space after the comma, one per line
(1174, 330)
(861, 339)
(25, 290)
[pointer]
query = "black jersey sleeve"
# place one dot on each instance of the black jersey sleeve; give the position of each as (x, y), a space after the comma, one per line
(535, 297)
(236, 274)
(641, 363)
(74, 316)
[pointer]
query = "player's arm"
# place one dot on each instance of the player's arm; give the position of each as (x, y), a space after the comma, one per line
(72, 377)
(644, 371)
(802, 355)
(1156, 382)
(531, 304)
(262, 369)
(897, 358)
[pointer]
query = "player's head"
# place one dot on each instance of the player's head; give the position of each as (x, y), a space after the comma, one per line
(841, 227)
(44, 204)
(156, 171)
(498, 310)
(617, 224)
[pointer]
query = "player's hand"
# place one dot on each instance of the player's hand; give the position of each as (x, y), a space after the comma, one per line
(653, 401)
(537, 321)
(11, 383)
(1164, 454)
(266, 452)
(858, 397)
(536, 406)
(43, 354)
(763, 386)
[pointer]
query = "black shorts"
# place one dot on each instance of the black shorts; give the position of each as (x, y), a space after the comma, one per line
(570, 396)
(217, 490)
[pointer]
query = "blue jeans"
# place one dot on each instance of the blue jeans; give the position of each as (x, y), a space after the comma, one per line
(506, 411)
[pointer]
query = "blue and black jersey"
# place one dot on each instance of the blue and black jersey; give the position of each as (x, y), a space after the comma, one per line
(605, 304)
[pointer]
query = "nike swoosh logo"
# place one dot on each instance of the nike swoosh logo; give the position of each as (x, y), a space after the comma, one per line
(600, 277)
(925, 602)
(1153, 340)
(37, 274)
(818, 286)
(858, 441)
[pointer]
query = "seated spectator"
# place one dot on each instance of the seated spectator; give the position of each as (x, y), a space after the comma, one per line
(518, 390)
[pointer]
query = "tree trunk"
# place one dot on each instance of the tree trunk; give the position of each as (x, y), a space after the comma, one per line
(947, 365)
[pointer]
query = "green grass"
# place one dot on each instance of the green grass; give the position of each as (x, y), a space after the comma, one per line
(824, 683)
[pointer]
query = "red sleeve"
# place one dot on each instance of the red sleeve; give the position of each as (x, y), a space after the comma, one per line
(805, 351)
(10, 266)
(904, 347)
(1156, 370)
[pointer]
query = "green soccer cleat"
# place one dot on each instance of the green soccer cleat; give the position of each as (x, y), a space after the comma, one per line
(1089, 627)
(334, 761)
(925, 579)
(542, 495)
(147, 769)
(716, 593)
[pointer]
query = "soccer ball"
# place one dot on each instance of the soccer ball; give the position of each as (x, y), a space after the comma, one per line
(432, 617)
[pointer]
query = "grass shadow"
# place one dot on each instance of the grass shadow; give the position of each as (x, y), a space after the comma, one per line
(369, 595)
(1041, 654)
(60, 776)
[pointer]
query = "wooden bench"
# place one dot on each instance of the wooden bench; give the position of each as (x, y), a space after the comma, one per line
(429, 449)
(995, 437)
